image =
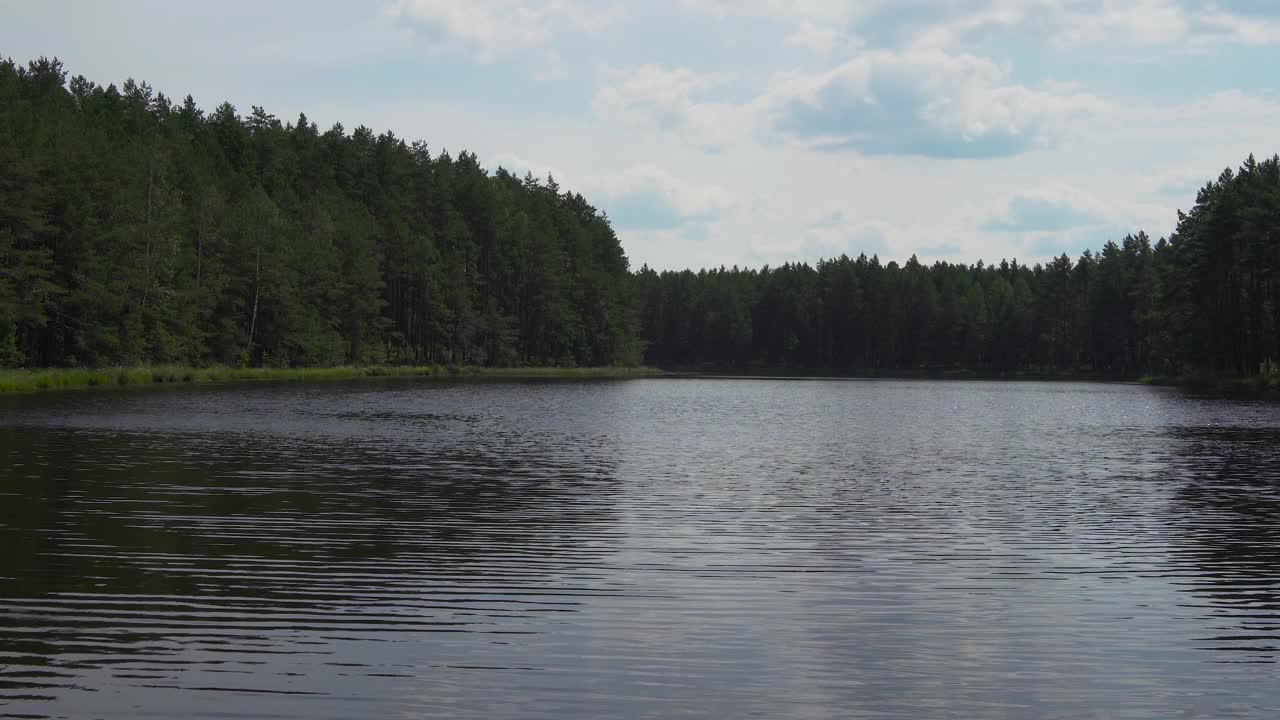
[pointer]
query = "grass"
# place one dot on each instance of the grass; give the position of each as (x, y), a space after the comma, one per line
(1264, 384)
(24, 381)
(17, 381)
(922, 373)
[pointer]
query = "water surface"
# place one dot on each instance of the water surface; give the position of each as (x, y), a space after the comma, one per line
(645, 548)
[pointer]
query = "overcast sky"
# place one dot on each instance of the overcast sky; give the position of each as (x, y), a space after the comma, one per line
(751, 131)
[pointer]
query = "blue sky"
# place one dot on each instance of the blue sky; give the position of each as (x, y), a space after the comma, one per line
(751, 131)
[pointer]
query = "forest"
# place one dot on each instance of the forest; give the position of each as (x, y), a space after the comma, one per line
(1201, 303)
(136, 230)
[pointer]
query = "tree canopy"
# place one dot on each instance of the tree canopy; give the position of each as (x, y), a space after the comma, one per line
(1204, 300)
(136, 230)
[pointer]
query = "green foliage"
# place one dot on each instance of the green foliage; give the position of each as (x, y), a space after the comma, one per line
(1203, 303)
(1269, 374)
(137, 231)
(72, 378)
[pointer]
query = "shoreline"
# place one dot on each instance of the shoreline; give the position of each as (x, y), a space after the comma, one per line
(20, 381)
(863, 378)
(27, 381)
(1240, 387)
(939, 374)
(1258, 386)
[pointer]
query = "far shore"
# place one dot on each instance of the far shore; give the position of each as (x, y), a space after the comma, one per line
(37, 380)
(756, 373)
(1267, 387)
(16, 381)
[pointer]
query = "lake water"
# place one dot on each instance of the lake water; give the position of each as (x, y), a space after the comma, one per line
(647, 548)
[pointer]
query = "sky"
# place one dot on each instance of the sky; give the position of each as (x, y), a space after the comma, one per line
(750, 132)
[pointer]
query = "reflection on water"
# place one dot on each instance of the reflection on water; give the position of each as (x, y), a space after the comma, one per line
(640, 549)
(1228, 509)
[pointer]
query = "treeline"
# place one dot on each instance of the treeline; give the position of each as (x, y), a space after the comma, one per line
(1204, 301)
(135, 230)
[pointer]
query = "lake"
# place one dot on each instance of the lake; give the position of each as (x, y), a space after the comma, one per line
(647, 548)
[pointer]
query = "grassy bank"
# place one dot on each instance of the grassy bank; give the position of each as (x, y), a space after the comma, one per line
(12, 381)
(1263, 385)
(883, 374)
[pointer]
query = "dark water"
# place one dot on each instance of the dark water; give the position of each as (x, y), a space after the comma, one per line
(640, 549)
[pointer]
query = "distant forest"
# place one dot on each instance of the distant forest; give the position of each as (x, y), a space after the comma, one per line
(135, 230)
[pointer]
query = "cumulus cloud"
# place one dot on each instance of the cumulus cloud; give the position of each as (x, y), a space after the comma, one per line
(838, 234)
(1047, 246)
(939, 251)
(646, 197)
(774, 236)
(1157, 22)
(489, 28)
(916, 102)
(1046, 211)
(521, 166)
(672, 100)
(1049, 221)
(923, 102)
(820, 11)
(1243, 29)
(1179, 185)
(1064, 23)
(1146, 22)
(1073, 23)
(642, 197)
(820, 39)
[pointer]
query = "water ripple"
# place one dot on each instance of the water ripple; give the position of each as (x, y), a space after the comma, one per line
(640, 549)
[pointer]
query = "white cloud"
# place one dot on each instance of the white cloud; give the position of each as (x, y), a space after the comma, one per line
(1075, 23)
(787, 197)
(1048, 209)
(1241, 29)
(1180, 185)
(819, 11)
(642, 196)
(1145, 22)
(1225, 113)
(921, 101)
(820, 39)
(1180, 24)
(685, 198)
(823, 27)
(831, 236)
(996, 14)
(489, 28)
(924, 102)
(775, 234)
(519, 166)
(672, 100)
